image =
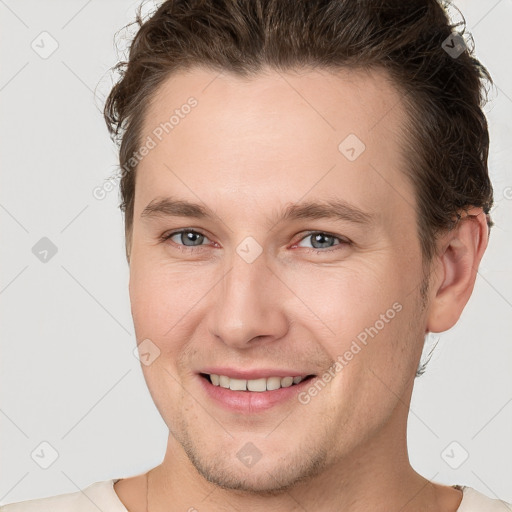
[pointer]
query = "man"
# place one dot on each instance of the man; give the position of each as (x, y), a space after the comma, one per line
(306, 197)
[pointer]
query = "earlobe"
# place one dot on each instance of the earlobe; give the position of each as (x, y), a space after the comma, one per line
(457, 265)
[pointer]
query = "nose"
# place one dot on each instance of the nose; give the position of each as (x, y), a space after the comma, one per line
(248, 305)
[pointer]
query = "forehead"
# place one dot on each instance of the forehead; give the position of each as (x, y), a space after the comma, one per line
(276, 134)
(327, 103)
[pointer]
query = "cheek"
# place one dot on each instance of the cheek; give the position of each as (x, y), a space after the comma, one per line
(346, 298)
(169, 303)
(149, 303)
(361, 314)
(162, 294)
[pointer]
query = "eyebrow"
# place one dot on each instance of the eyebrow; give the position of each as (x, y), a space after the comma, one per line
(336, 209)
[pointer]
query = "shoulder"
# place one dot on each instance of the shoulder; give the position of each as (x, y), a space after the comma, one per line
(475, 501)
(99, 495)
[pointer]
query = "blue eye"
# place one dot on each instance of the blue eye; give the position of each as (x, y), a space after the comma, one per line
(321, 240)
(186, 238)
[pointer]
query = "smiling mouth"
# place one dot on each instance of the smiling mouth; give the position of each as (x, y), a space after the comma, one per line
(255, 385)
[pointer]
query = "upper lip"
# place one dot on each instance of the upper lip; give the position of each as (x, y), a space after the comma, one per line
(259, 373)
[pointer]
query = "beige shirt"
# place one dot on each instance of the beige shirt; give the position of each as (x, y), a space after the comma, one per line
(102, 496)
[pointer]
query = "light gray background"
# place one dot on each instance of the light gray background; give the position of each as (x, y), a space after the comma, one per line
(68, 373)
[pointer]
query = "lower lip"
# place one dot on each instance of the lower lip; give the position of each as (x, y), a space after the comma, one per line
(252, 401)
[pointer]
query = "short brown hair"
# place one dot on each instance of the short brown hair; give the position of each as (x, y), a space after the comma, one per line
(448, 140)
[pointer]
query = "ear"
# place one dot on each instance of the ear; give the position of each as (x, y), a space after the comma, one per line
(455, 269)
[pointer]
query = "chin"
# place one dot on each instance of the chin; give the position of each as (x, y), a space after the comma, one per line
(268, 477)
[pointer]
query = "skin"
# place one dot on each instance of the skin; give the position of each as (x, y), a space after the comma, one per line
(249, 148)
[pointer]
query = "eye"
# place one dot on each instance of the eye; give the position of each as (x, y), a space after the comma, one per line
(185, 238)
(322, 240)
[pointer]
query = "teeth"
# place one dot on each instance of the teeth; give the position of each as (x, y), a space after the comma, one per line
(237, 384)
(273, 383)
(259, 385)
(286, 382)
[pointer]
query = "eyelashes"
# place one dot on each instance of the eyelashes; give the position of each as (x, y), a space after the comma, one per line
(342, 241)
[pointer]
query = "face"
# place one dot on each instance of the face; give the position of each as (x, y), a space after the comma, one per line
(301, 258)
